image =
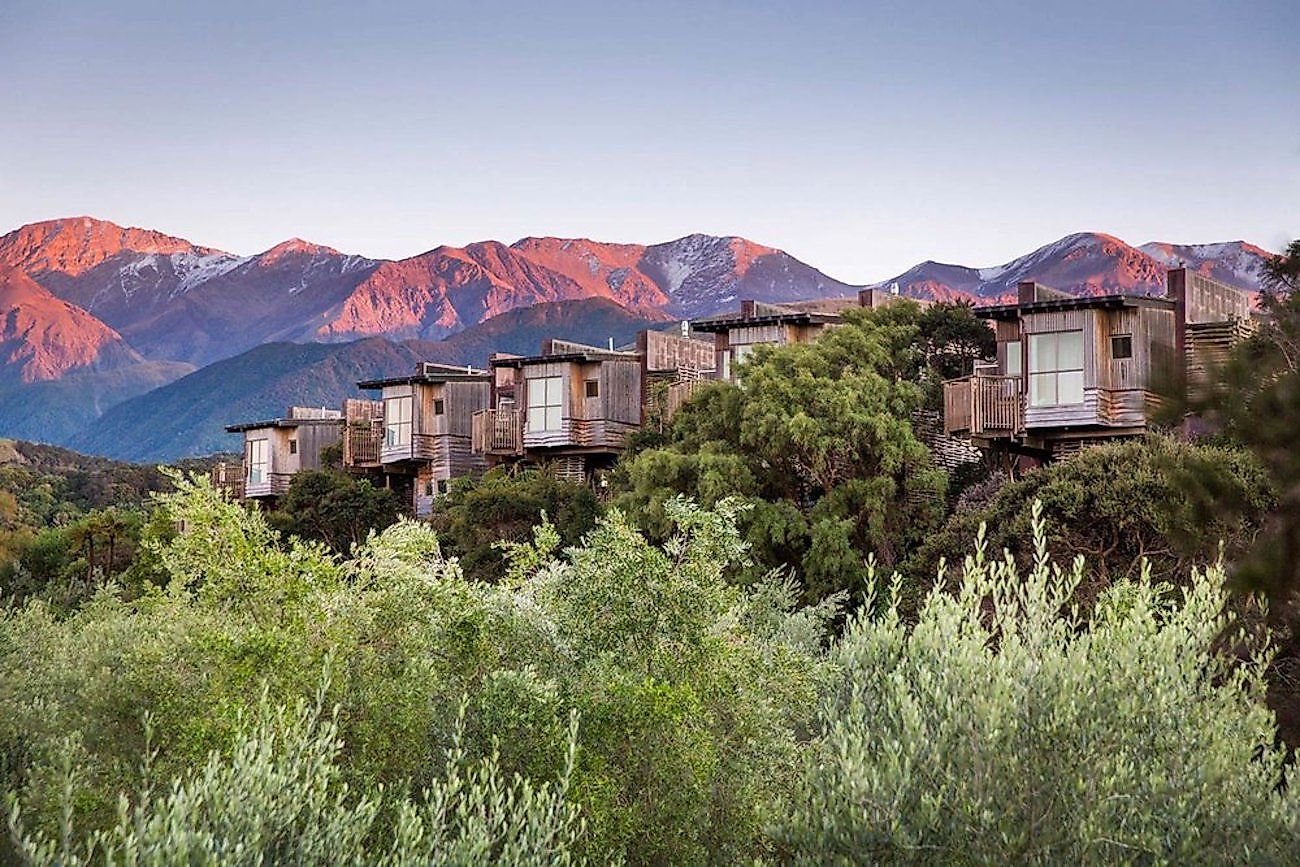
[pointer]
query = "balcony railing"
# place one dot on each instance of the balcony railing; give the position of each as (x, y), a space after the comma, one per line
(363, 432)
(229, 479)
(983, 405)
(498, 432)
(362, 441)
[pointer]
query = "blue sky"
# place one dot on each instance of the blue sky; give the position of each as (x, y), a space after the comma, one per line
(861, 137)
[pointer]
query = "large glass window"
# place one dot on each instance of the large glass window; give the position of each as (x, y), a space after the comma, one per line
(259, 461)
(1015, 361)
(397, 422)
(544, 402)
(1056, 368)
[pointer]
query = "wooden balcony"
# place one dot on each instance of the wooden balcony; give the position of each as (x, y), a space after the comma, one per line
(363, 433)
(498, 432)
(228, 478)
(983, 406)
(362, 441)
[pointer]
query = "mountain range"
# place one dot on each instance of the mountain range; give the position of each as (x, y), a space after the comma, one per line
(1085, 263)
(107, 329)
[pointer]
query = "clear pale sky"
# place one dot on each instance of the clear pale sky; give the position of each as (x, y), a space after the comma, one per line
(860, 137)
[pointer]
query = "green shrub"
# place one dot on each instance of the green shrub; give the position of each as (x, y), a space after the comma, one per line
(1007, 727)
(280, 799)
(715, 723)
(1176, 505)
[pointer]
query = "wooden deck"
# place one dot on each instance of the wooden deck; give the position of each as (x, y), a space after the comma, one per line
(498, 432)
(363, 433)
(983, 406)
(228, 478)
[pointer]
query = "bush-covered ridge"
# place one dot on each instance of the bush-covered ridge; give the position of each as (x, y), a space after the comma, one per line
(714, 722)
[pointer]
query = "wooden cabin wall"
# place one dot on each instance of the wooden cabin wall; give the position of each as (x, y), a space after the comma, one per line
(391, 391)
(586, 407)
(1119, 373)
(1004, 333)
(1209, 300)
(1156, 350)
(424, 421)
(281, 460)
(463, 399)
(1065, 320)
(668, 352)
(562, 369)
(620, 392)
(312, 440)
(748, 335)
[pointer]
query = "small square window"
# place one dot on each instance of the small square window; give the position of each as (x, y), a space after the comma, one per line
(442, 486)
(293, 447)
(439, 407)
(1121, 346)
(592, 387)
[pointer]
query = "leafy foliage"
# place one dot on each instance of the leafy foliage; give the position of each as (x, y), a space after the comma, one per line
(292, 807)
(477, 514)
(335, 508)
(818, 442)
(1119, 504)
(660, 655)
(1006, 726)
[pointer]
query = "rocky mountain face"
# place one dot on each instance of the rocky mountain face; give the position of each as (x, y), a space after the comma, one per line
(178, 301)
(450, 288)
(44, 338)
(1086, 263)
(1233, 262)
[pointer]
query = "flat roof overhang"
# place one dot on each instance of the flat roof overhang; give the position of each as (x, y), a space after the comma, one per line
(1009, 312)
(728, 322)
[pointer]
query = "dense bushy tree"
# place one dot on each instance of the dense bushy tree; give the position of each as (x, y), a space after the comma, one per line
(1007, 727)
(335, 508)
(950, 339)
(1118, 504)
(66, 563)
(477, 514)
(1282, 272)
(712, 724)
(1252, 400)
(691, 691)
(818, 441)
(291, 808)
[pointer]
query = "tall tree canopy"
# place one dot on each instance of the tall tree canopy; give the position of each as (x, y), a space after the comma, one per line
(818, 441)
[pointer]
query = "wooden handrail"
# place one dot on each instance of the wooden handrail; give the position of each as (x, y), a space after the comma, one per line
(983, 405)
(497, 431)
